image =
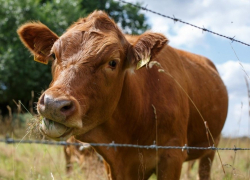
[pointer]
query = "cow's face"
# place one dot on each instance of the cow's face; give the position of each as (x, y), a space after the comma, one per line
(89, 66)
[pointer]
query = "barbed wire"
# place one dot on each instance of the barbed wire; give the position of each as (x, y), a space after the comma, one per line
(187, 23)
(114, 145)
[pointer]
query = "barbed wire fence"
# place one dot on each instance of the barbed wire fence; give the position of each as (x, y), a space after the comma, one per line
(114, 145)
(184, 22)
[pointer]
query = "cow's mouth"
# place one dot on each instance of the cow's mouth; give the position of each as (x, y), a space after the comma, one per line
(55, 130)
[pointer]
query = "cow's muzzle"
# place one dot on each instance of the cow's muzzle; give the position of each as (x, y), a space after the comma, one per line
(56, 112)
(57, 109)
(55, 130)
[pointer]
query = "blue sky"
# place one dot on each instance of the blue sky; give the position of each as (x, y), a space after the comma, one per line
(227, 17)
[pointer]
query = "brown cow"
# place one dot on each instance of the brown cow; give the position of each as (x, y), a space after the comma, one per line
(98, 96)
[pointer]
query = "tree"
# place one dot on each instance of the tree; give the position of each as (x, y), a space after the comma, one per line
(130, 19)
(19, 75)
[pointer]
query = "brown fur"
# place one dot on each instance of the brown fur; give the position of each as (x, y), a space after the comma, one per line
(116, 104)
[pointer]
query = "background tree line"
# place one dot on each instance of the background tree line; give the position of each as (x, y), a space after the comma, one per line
(19, 74)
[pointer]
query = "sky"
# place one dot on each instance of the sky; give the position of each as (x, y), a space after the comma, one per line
(227, 17)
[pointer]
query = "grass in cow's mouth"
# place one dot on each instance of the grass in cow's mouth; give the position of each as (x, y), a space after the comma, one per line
(34, 124)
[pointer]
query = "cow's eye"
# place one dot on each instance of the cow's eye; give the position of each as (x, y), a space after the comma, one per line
(112, 64)
(52, 56)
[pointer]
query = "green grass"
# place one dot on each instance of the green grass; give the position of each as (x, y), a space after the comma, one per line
(29, 161)
(236, 164)
(37, 162)
(34, 161)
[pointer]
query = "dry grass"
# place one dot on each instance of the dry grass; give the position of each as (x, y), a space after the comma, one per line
(236, 164)
(34, 161)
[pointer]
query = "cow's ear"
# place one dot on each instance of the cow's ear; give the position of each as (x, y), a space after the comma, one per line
(38, 38)
(145, 47)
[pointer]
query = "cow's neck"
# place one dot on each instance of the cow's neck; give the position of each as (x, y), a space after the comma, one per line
(130, 121)
(130, 116)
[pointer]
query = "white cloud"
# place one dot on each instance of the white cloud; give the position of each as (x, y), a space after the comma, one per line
(233, 73)
(187, 36)
(228, 17)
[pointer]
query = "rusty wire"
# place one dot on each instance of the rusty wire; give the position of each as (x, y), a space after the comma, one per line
(8, 140)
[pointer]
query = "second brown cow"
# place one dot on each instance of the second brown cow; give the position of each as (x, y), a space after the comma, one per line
(98, 96)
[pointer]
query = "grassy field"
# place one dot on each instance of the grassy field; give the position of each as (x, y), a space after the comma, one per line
(34, 161)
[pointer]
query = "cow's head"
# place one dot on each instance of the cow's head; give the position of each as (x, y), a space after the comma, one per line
(89, 65)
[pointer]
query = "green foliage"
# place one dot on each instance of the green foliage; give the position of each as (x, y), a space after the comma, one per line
(19, 75)
(128, 17)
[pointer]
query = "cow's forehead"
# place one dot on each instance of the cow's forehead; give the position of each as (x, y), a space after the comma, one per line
(91, 37)
(79, 46)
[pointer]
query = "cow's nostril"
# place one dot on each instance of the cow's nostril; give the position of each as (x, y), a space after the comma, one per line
(67, 107)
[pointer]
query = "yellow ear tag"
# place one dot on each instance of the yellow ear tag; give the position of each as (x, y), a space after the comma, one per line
(43, 61)
(142, 63)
